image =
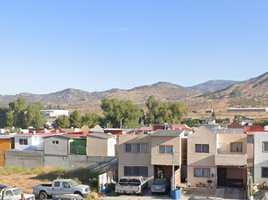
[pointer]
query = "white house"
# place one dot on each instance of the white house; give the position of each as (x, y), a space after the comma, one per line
(31, 141)
(260, 157)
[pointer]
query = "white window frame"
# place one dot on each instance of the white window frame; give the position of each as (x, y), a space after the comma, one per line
(202, 172)
(136, 147)
(202, 148)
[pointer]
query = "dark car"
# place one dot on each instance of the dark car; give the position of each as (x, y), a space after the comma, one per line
(161, 185)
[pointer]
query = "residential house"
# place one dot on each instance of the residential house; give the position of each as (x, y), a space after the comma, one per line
(152, 155)
(166, 153)
(135, 156)
(260, 157)
(219, 158)
(6, 143)
(65, 144)
(31, 141)
(101, 144)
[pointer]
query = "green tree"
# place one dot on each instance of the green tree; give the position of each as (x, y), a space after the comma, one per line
(76, 119)
(3, 116)
(34, 116)
(236, 93)
(17, 113)
(124, 111)
(169, 112)
(91, 119)
(63, 121)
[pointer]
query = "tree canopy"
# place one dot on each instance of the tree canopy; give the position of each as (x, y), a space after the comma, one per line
(164, 112)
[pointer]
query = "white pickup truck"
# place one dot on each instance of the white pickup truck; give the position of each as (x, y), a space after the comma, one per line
(131, 185)
(61, 186)
(14, 194)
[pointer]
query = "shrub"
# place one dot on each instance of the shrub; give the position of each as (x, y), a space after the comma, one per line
(94, 183)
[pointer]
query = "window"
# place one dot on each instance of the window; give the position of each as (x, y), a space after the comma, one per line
(23, 141)
(165, 149)
(57, 184)
(265, 146)
(55, 142)
(236, 147)
(201, 172)
(137, 148)
(264, 172)
(201, 148)
(135, 171)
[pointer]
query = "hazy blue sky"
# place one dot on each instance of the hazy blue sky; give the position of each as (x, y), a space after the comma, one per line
(50, 45)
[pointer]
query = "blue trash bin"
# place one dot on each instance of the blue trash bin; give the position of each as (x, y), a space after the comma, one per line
(176, 194)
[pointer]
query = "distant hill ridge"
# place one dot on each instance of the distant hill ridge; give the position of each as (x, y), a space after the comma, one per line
(90, 101)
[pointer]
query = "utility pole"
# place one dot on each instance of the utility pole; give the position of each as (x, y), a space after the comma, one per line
(173, 177)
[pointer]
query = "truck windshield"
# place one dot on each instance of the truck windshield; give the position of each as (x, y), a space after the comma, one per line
(72, 183)
(17, 191)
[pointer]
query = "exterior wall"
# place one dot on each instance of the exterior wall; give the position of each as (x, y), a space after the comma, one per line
(27, 159)
(165, 159)
(225, 140)
(33, 159)
(38, 142)
(135, 159)
(260, 157)
(97, 147)
(5, 144)
(76, 161)
(28, 147)
(201, 160)
(56, 149)
(111, 146)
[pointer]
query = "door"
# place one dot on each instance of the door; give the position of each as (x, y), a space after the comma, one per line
(222, 176)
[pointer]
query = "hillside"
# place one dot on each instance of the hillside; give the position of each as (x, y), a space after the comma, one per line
(254, 94)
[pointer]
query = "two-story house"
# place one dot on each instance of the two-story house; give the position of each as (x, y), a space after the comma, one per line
(151, 156)
(220, 158)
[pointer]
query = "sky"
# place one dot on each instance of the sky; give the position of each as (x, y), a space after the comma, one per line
(50, 45)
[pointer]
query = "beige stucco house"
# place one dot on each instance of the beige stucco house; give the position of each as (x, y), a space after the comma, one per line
(220, 158)
(150, 155)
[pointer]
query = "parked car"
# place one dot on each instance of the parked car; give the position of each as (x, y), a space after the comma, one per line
(161, 185)
(67, 197)
(61, 186)
(131, 185)
(14, 194)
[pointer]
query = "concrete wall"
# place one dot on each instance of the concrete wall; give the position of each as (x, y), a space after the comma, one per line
(75, 161)
(32, 159)
(27, 159)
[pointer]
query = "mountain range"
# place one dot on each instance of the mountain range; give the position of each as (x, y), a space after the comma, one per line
(253, 94)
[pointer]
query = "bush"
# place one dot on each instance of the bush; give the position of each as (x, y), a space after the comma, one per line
(94, 183)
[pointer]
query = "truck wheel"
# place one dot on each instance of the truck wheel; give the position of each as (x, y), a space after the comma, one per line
(43, 195)
(79, 193)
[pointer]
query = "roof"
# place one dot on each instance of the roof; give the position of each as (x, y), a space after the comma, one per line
(170, 133)
(228, 131)
(31, 134)
(68, 136)
(100, 135)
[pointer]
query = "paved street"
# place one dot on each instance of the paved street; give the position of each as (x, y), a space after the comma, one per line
(197, 193)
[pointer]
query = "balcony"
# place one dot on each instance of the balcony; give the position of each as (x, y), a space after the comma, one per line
(231, 159)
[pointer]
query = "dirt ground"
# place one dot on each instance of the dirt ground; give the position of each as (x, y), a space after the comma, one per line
(23, 181)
